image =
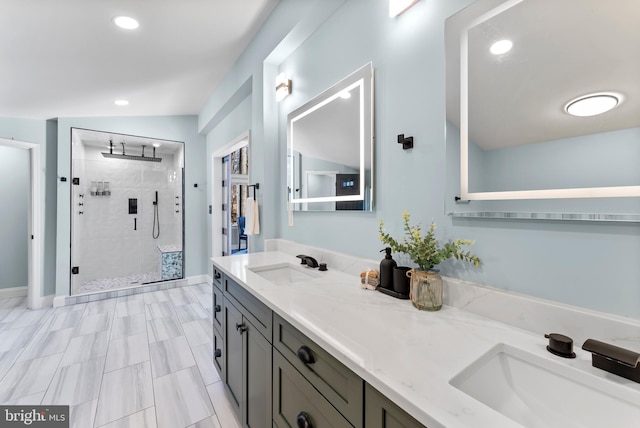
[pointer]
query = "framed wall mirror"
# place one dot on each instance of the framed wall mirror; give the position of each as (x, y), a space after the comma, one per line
(515, 71)
(330, 148)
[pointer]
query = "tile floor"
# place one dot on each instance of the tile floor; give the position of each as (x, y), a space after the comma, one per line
(140, 361)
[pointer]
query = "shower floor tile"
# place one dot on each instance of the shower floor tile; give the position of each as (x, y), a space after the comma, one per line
(118, 282)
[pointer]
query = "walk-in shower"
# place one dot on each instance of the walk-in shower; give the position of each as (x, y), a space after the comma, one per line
(126, 211)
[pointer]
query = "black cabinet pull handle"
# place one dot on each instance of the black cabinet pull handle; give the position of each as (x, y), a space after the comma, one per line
(241, 328)
(217, 308)
(217, 275)
(217, 353)
(305, 355)
(303, 420)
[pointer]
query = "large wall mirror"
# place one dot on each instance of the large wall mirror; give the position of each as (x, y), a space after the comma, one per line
(515, 70)
(330, 148)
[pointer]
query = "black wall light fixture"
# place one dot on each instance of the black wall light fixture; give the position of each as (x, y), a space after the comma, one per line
(407, 143)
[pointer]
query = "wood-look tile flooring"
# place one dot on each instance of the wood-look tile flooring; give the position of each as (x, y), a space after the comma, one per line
(141, 361)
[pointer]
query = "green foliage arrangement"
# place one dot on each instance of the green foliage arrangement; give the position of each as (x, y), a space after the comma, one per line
(425, 251)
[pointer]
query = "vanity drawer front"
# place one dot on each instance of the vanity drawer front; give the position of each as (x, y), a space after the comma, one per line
(218, 277)
(218, 310)
(259, 314)
(343, 388)
(294, 398)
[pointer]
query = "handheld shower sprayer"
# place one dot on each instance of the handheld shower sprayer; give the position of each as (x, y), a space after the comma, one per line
(156, 219)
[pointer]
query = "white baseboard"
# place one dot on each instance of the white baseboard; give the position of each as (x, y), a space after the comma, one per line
(9, 293)
(58, 301)
(198, 279)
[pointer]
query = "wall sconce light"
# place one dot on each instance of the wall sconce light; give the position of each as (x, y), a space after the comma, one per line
(283, 87)
(397, 7)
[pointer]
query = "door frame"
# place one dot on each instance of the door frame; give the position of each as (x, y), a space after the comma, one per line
(240, 141)
(34, 222)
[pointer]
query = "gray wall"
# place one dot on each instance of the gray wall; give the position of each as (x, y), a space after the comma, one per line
(14, 194)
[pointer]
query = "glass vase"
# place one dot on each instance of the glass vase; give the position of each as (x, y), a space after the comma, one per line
(425, 290)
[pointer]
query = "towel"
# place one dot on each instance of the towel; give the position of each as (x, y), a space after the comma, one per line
(289, 214)
(252, 227)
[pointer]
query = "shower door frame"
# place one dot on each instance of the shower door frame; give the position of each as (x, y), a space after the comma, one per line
(182, 209)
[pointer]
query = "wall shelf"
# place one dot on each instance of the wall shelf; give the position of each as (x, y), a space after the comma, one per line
(513, 215)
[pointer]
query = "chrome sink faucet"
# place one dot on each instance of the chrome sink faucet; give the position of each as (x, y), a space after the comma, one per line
(613, 359)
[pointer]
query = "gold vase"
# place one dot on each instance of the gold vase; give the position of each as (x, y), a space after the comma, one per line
(425, 290)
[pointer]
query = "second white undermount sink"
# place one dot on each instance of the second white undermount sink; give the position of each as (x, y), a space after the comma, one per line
(285, 273)
(536, 392)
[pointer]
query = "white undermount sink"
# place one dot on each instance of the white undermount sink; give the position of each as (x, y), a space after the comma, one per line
(536, 392)
(285, 273)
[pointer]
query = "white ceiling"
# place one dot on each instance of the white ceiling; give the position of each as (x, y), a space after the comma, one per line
(65, 58)
(562, 50)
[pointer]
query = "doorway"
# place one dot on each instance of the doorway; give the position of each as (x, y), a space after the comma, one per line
(20, 222)
(230, 189)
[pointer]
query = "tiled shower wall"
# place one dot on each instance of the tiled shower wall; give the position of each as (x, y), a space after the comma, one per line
(104, 242)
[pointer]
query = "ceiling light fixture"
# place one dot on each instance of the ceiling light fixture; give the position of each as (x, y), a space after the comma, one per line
(345, 95)
(121, 102)
(501, 47)
(398, 7)
(592, 104)
(126, 22)
(283, 87)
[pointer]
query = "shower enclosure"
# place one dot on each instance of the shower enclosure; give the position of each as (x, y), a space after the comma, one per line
(127, 223)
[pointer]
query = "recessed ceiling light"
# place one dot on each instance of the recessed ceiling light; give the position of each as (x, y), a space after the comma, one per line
(121, 102)
(501, 47)
(345, 95)
(126, 22)
(592, 104)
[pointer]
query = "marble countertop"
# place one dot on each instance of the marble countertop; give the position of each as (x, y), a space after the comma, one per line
(407, 354)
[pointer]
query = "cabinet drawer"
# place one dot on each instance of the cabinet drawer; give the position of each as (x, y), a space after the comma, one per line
(294, 398)
(339, 385)
(258, 313)
(218, 310)
(217, 276)
(218, 353)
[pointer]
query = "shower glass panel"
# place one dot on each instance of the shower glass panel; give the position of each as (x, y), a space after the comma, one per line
(127, 211)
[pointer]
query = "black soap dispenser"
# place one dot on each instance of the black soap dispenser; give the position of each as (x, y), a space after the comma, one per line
(386, 270)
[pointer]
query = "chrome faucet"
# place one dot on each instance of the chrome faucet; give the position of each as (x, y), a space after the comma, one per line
(613, 359)
(308, 260)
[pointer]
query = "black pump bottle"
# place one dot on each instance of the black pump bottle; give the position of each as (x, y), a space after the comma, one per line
(386, 269)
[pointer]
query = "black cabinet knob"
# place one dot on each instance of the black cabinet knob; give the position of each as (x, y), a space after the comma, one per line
(241, 328)
(305, 355)
(217, 275)
(217, 353)
(217, 308)
(303, 420)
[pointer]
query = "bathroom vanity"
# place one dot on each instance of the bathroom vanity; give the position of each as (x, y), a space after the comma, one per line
(299, 347)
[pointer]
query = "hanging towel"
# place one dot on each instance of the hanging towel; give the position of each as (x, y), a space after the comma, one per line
(253, 218)
(289, 214)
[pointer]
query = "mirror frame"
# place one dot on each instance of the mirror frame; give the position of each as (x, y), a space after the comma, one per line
(586, 192)
(362, 77)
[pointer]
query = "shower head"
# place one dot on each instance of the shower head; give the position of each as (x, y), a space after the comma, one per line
(142, 157)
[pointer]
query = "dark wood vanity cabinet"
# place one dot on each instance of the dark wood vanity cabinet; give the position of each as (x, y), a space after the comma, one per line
(246, 356)
(275, 376)
(380, 412)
